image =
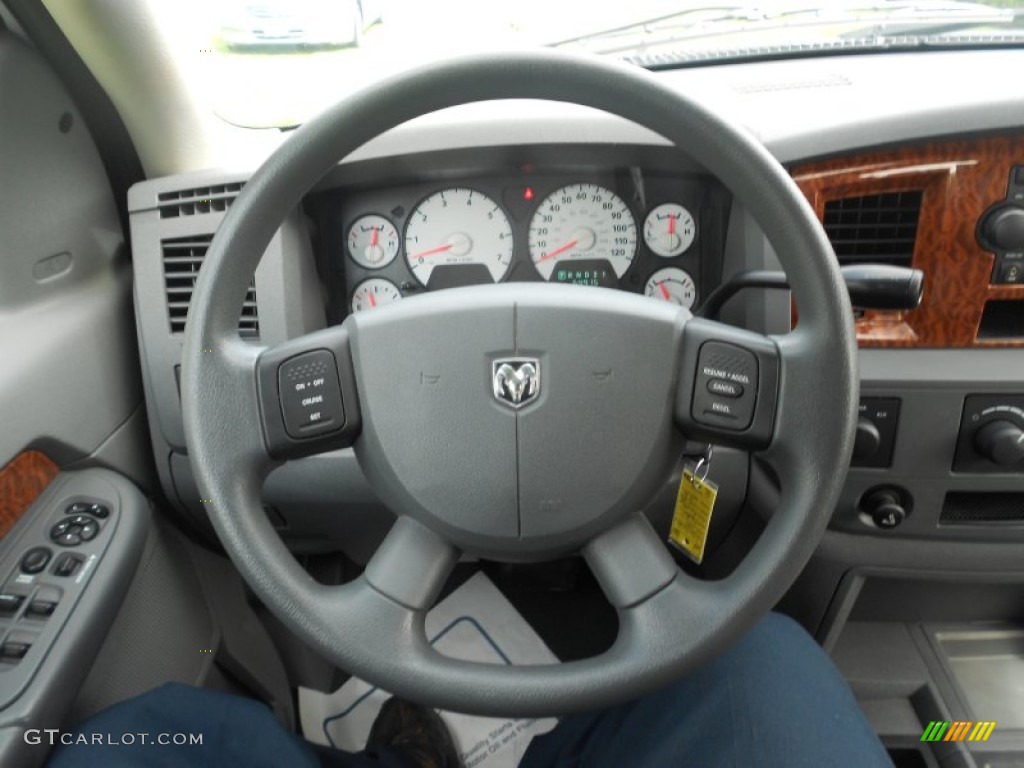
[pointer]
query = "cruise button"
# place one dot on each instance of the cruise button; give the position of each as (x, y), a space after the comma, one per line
(725, 388)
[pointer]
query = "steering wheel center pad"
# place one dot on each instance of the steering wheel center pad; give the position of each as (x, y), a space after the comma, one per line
(593, 443)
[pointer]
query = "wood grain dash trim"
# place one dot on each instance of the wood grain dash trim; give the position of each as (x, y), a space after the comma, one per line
(959, 180)
(21, 482)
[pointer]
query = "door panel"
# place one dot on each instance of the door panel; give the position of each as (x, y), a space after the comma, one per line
(69, 373)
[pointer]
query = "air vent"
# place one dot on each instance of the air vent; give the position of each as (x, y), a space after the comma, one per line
(874, 228)
(189, 202)
(183, 257)
(967, 507)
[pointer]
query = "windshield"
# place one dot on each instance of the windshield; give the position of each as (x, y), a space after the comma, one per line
(276, 63)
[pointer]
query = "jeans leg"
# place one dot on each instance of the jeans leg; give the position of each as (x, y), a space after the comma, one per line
(234, 731)
(775, 700)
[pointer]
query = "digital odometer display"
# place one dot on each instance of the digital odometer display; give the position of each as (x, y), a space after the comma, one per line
(596, 272)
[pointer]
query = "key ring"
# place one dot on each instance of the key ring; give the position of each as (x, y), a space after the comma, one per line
(700, 472)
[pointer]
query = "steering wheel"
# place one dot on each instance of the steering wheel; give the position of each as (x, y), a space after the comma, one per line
(555, 453)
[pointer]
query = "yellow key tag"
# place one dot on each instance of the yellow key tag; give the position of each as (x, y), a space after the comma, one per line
(692, 517)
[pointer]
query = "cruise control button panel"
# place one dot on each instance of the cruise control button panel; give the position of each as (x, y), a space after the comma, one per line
(311, 394)
(726, 390)
(728, 385)
(307, 392)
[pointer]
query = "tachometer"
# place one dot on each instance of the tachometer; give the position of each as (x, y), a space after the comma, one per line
(582, 222)
(458, 228)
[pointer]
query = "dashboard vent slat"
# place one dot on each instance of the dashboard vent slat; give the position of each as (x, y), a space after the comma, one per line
(182, 260)
(878, 228)
(975, 507)
(191, 202)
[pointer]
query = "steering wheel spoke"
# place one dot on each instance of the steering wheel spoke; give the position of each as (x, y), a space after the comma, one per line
(630, 563)
(307, 395)
(728, 385)
(411, 566)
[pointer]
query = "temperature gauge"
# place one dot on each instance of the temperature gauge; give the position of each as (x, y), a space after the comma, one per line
(672, 284)
(373, 242)
(373, 293)
(669, 230)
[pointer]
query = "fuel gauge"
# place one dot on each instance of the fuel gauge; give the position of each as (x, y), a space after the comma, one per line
(373, 242)
(674, 285)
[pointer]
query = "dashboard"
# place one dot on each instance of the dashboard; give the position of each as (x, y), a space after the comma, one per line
(469, 197)
(639, 226)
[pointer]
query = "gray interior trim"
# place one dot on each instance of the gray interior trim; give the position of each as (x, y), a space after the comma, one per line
(799, 108)
(68, 380)
(57, 167)
(90, 600)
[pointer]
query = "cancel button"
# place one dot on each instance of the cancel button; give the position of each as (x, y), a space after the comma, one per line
(725, 388)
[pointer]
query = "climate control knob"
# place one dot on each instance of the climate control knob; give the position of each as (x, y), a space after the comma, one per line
(1003, 228)
(867, 440)
(1001, 441)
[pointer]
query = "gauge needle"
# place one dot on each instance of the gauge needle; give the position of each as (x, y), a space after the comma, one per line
(432, 251)
(560, 249)
(374, 237)
(671, 225)
(664, 291)
(373, 301)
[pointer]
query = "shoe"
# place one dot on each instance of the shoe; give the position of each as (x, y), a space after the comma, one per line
(418, 732)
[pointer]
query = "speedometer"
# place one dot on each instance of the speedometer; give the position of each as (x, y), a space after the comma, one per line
(461, 235)
(582, 223)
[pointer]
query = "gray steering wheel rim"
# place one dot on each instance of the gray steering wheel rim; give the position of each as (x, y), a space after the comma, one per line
(666, 634)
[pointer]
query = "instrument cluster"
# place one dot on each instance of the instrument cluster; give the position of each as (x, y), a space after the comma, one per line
(649, 233)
